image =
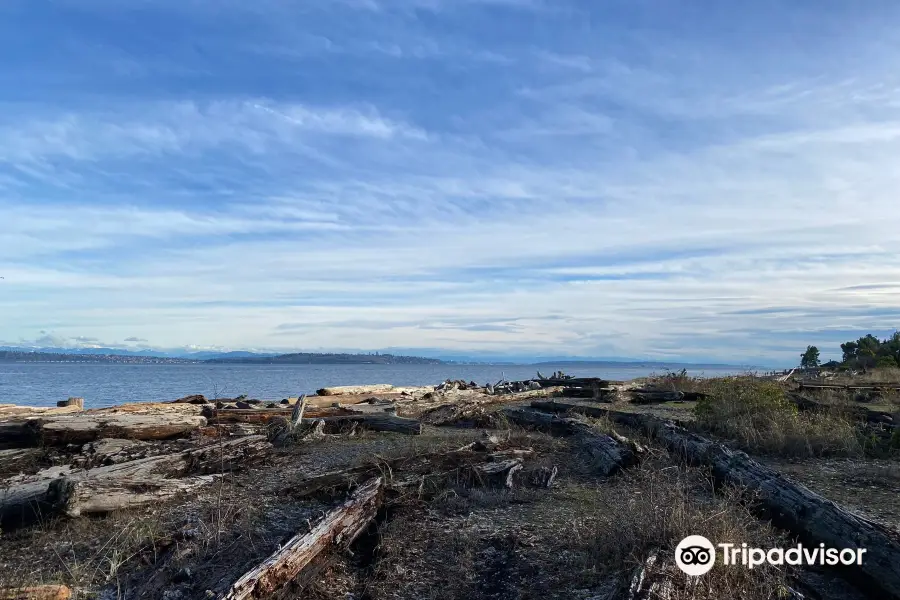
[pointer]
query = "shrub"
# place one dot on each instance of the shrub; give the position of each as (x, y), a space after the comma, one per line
(757, 415)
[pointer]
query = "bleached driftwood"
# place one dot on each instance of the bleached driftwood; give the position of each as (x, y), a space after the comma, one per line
(25, 501)
(337, 530)
(87, 427)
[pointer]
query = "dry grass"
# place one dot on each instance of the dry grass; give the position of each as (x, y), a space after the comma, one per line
(756, 414)
(659, 507)
(84, 554)
(584, 540)
(872, 376)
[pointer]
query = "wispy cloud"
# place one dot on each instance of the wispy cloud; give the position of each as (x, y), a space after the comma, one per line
(584, 179)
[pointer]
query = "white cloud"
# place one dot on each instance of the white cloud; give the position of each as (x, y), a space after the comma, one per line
(583, 200)
(183, 127)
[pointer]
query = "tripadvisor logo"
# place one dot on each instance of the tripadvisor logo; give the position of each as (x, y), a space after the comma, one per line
(696, 555)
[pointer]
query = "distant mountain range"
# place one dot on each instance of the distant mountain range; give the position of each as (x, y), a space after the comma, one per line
(395, 356)
(109, 355)
(188, 354)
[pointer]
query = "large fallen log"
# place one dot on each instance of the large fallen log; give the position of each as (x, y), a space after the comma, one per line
(874, 387)
(82, 428)
(24, 502)
(609, 454)
(262, 416)
(860, 413)
(338, 529)
(76, 497)
(342, 390)
(374, 422)
(814, 519)
(14, 410)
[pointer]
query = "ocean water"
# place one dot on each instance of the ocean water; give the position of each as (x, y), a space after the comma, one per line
(43, 384)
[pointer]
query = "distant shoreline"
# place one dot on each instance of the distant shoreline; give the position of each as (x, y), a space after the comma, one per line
(333, 359)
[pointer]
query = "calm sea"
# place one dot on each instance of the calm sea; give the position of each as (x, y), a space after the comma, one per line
(42, 384)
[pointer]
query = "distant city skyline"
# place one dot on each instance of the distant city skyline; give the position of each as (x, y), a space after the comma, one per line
(673, 181)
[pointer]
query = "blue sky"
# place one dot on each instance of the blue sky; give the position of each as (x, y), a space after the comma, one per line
(650, 178)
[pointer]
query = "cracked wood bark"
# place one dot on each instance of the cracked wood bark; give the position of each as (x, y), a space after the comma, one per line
(24, 502)
(337, 530)
(77, 497)
(609, 454)
(83, 428)
(789, 504)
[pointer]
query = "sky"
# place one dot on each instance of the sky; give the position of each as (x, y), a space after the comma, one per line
(659, 179)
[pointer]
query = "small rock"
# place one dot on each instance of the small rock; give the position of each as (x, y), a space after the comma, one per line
(243, 404)
(285, 401)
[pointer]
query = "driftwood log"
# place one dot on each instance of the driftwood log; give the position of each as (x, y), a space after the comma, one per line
(609, 454)
(338, 529)
(76, 497)
(875, 387)
(262, 416)
(37, 592)
(24, 502)
(374, 422)
(345, 390)
(860, 413)
(499, 473)
(790, 505)
(87, 427)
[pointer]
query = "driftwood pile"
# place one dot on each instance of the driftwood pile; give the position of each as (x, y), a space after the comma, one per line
(567, 385)
(120, 458)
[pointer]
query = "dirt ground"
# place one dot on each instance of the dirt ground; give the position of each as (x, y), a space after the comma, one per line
(869, 487)
(582, 538)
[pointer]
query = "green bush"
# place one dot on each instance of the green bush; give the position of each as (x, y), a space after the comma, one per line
(756, 414)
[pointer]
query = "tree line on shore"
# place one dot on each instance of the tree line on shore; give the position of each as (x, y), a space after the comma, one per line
(866, 352)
